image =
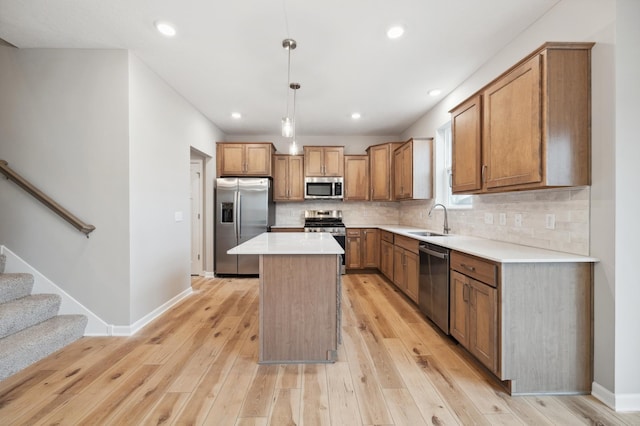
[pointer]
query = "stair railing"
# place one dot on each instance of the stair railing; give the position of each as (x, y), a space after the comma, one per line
(45, 199)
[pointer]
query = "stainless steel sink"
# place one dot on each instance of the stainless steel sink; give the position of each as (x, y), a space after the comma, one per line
(426, 234)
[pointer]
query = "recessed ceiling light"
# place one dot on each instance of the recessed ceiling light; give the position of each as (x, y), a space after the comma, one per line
(165, 28)
(236, 115)
(356, 115)
(395, 32)
(434, 92)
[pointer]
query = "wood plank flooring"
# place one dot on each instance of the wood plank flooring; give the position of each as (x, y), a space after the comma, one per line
(197, 365)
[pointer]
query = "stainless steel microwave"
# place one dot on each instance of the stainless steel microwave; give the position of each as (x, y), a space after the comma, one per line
(323, 188)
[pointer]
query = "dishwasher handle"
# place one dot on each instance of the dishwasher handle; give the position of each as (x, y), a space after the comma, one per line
(434, 253)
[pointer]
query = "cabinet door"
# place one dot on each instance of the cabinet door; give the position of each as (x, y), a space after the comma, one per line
(483, 321)
(398, 189)
(412, 275)
(466, 155)
(258, 159)
(353, 249)
(334, 161)
(386, 259)
(458, 315)
(398, 267)
(296, 178)
(280, 178)
(232, 159)
(512, 127)
(356, 177)
(370, 248)
(379, 170)
(313, 161)
(407, 171)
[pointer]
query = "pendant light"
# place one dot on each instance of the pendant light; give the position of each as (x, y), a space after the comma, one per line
(293, 149)
(287, 124)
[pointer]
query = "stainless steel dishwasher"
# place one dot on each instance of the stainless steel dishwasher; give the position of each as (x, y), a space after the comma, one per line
(433, 296)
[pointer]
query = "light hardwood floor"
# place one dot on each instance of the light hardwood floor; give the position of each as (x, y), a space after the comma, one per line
(197, 364)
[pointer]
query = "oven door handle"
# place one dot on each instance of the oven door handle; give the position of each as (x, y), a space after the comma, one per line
(433, 253)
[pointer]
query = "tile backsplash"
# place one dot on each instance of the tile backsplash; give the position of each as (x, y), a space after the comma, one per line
(556, 219)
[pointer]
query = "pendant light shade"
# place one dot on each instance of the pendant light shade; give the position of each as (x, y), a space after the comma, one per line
(287, 123)
(293, 149)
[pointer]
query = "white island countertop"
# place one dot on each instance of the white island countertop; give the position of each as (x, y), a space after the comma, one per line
(289, 243)
(497, 251)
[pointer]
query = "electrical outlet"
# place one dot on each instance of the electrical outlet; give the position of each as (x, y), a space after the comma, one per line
(503, 219)
(488, 218)
(518, 219)
(550, 221)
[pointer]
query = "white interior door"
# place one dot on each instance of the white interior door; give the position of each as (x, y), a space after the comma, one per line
(196, 218)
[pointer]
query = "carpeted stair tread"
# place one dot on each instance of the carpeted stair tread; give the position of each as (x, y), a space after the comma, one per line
(27, 311)
(25, 347)
(14, 286)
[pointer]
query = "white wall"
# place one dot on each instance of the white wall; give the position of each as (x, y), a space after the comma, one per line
(163, 126)
(627, 232)
(64, 127)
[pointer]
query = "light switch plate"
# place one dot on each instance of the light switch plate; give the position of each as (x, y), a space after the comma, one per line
(503, 219)
(178, 216)
(550, 221)
(488, 218)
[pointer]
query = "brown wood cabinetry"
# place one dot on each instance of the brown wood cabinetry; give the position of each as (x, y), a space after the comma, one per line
(362, 248)
(406, 264)
(386, 254)
(530, 324)
(535, 125)
(244, 159)
(381, 171)
(356, 177)
(324, 161)
(413, 170)
(293, 229)
(288, 178)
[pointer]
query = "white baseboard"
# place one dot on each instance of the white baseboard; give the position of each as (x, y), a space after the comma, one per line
(621, 403)
(209, 274)
(69, 305)
(130, 330)
(95, 325)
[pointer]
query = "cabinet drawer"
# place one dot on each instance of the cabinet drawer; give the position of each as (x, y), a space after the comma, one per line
(406, 243)
(386, 236)
(479, 269)
(353, 232)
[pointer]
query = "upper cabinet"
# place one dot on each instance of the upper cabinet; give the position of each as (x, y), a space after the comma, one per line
(413, 170)
(529, 128)
(381, 171)
(288, 178)
(356, 177)
(324, 161)
(244, 159)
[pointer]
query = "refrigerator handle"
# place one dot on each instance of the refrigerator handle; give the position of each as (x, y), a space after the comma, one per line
(238, 217)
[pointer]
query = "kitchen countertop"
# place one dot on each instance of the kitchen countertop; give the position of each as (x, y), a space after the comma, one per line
(289, 243)
(497, 251)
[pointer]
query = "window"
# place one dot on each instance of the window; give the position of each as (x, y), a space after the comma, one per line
(443, 171)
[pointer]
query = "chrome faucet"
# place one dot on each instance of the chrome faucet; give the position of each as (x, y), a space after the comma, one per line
(446, 219)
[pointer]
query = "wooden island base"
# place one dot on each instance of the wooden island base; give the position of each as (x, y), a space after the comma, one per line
(299, 308)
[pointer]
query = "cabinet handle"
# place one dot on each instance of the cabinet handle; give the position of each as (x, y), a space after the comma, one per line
(468, 268)
(484, 173)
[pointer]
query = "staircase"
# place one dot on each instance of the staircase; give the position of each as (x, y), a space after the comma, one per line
(30, 327)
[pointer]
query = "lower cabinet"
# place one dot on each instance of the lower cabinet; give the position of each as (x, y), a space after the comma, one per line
(362, 248)
(386, 255)
(474, 318)
(406, 264)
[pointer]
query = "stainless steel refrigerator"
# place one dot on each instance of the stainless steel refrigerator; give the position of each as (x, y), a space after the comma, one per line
(244, 209)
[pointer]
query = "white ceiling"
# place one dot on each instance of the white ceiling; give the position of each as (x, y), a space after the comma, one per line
(228, 55)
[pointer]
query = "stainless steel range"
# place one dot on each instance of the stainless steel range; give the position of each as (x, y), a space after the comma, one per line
(327, 221)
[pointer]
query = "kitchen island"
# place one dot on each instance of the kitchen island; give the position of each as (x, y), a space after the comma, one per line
(299, 296)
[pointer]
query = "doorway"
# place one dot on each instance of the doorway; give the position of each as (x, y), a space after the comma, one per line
(197, 216)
